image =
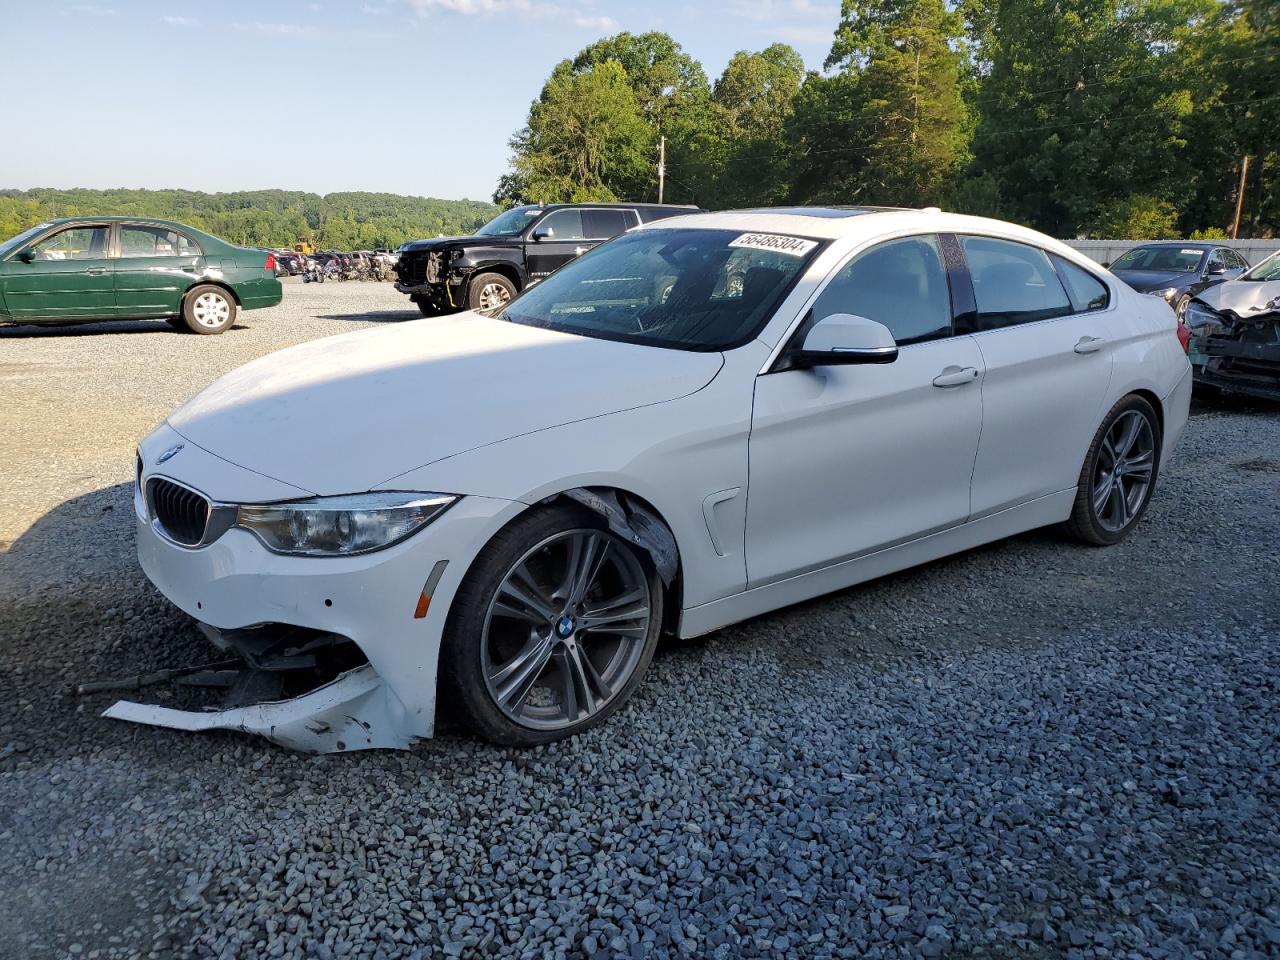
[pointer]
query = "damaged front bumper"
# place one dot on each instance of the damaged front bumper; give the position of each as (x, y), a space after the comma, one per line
(1242, 357)
(350, 644)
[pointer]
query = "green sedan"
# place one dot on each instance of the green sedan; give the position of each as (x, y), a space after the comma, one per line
(86, 269)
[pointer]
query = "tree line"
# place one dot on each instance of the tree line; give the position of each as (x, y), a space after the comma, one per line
(1115, 118)
(260, 218)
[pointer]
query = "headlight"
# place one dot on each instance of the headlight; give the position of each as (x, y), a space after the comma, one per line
(341, 526)
(1198, 315)
(1168, 293)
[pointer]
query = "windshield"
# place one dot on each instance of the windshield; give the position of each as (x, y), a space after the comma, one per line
(13, 243)
(684, 289)
(510, 224)
(1164, 259)
(1268, 269)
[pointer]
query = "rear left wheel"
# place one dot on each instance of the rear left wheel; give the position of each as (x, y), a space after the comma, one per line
(1119, 474)
(552, 629)
(208, 309)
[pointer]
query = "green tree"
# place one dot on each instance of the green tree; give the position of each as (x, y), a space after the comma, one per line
(889, 124)
(585, 139)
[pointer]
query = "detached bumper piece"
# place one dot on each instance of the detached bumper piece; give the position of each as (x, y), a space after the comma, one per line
(302, 689)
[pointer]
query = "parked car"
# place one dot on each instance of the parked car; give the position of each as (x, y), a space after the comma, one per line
(1177, 270)
(86, 269)
(1236, 333)
(513, 251)
(505, 510)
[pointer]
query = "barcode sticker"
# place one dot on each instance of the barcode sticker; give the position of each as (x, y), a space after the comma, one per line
(791, 246)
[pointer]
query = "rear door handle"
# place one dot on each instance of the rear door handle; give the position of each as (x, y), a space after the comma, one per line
(1089, 344)
(955, 376)
(96, 271)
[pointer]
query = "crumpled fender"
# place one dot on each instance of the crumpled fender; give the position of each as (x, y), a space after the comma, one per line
(634, 522)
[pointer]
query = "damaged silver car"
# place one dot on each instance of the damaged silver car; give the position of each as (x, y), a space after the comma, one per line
(1235, 329)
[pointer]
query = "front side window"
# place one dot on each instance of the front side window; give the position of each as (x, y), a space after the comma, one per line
(1216, 262)
(1086, 291)
(562, 225)
(1166, 259)
(1013, 283)
(16, 242)
(1268, 269)
(902, 284)
(148, 241)
(74, 243)
(683, 289)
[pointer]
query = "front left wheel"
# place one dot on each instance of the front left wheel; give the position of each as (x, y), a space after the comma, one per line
(552, 629)
(208, 309)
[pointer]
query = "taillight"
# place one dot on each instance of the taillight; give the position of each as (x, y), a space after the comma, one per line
(1184, 336)
(271, 263)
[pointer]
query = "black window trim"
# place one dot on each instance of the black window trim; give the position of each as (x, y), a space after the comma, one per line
(1052, 257)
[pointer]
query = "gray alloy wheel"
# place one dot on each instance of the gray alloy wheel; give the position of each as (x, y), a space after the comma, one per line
(1180, 310)
(1123, 471)
(566, 629)
(492, 296)
(489, 291)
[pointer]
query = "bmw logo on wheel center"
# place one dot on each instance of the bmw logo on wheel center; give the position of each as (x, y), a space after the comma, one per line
(565, 627)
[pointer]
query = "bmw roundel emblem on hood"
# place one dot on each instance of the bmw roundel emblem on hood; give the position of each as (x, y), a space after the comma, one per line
(170, 453)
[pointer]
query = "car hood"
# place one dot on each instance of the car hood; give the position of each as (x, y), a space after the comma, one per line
(1145, 281)
(1241, 297)
(348, 413)
(440, 243)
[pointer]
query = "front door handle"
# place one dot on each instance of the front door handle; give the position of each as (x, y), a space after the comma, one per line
(954, 376)
(96, 271)
(1089, 344)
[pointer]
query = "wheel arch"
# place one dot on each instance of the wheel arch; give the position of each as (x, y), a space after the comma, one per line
(210, 283)
(1156, 404)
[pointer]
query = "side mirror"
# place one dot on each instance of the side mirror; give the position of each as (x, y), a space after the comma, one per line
(544, 233)
(26, 255)
(1216, 270)
(843, 338)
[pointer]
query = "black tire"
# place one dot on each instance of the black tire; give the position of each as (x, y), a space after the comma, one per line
(208, 309)
(477, 287)
(462, 685)
(1180, 308)
(1087, 523)
(426, 308)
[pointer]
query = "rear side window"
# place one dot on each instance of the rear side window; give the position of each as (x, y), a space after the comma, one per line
(146, 241)
(603, 224)
(1086, 291)
(1013, 283)
(902, 284)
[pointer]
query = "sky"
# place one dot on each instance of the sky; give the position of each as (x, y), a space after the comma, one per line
(415, 97)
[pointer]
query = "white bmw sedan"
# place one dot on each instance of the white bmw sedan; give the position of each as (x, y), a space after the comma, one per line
(702, 420)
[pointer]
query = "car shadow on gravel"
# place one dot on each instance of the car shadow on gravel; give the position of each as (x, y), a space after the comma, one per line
(32, 332)
(373, 316)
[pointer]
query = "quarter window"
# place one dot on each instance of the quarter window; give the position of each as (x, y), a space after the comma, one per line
(146, 241)
(75, 243)
(902, 284)
(1086, 291)
(1013, 283)
(563, 225)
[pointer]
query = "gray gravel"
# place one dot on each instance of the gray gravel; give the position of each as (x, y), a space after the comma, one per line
(1034, 749)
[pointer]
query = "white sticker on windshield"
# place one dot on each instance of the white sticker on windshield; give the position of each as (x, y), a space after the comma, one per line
(1196, 252)
(791, 246)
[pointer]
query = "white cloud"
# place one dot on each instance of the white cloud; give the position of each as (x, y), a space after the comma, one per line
(92, 10)
(595, 23)
(784, 9)
(282, 29)
(531, 9)
(180, 21)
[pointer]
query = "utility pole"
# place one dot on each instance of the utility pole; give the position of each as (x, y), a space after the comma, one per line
(662, 169)
(1244, 172)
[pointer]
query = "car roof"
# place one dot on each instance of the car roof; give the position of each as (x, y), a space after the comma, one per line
(1201, 245)
(852, 225)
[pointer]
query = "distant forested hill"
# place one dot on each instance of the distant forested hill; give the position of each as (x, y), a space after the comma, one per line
(265, 218)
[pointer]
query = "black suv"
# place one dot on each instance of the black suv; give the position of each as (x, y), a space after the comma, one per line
(515, 249)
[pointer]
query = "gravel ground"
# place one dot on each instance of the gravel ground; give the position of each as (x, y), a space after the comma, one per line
(1033, 749)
